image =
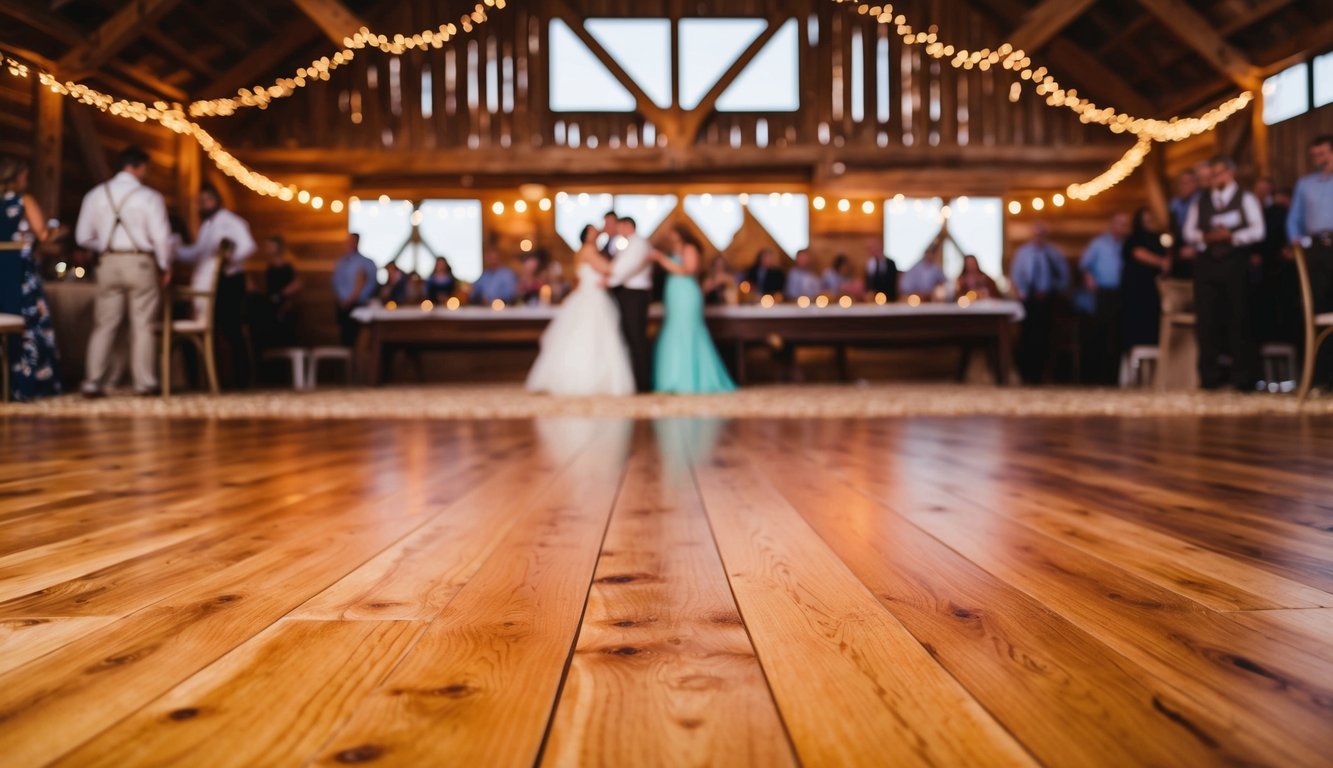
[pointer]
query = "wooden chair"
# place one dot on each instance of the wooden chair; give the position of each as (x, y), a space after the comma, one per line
(197, 330)
(10, 325)
(1318, 327)
(1177, 355)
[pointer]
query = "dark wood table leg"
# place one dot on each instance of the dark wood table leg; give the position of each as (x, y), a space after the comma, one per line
(1003, 344)
(375, 357)
(840, 353)
(740, 362)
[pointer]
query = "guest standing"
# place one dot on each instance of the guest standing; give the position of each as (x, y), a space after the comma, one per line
(220, 224)
(282, 285)
(631, 284)
(1276, 293)
(926, 276)
(972, 280)
(1310, 224)
(1102, 263)
(801, 279)
(355, 280)
(686, 361)
(126, 222)
(496, 281)
(441, 284)
(33, 359)
(1224, 225)
(1145, 260)
(765, 276)
(881, 272)
(1039, 274)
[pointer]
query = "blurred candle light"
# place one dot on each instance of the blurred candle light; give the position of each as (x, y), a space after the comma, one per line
(914, 300)
(79, 272)
(497, 304)
(845, 302)
(391, 305)
(803, 302)
(881, 299)
(453, 303)
(821, 301)
(427, 305)
(525, 245)
(766, 302)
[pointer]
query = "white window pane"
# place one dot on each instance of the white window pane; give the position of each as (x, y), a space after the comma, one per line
(648, 211)
(579, 82)
(910, 224)
(977, 225)
(642, 47)
(385, 228)
(771, 83)
(718, 216)
(573, 212)
(708, 47)
(785, 217)
(1323, 79)
(1287, 94)
(452, 229)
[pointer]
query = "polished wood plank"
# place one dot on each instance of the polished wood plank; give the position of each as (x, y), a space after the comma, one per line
(813, 621)
(664, 672)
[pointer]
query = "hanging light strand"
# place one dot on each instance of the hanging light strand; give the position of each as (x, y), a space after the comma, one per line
(1118, 172)
(1007, 57)
(261, 96)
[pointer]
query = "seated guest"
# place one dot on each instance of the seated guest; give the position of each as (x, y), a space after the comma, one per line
(355, 280)
(397, 286)
(533, 278)
(881, 272)
(719, 285)
(838, 278)
(277, 319)
(973, 281)
(802, 280)
(1145, 260)
(766, 277)
(441, 283)
(927, 276)
(496, 282)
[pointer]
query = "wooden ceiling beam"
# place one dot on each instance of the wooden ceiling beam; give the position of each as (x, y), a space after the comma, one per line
(263, 63)
(1041, 24)
(333, 18)
(32, 14)
(1195, 31)
(123, 28)
(180, 54)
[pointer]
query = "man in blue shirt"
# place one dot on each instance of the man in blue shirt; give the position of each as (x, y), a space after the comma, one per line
(1101, 264)
(496, 282)
(355, 280)
(925, 276)
(1039, 274)
(1310, 224)
(802, 280)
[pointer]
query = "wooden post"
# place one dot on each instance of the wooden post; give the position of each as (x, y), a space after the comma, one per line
(188, 179)
(47, 147)
(1259, 134)
(1155, 182)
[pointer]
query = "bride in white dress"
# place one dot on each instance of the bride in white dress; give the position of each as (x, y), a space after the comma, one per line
(583, 351)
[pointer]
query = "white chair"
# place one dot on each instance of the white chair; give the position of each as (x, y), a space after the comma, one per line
(10, 325)
(1279, 362)
(320, 354)
(300, 362)
(1139, 367)
(1318, 327)
(197, 330)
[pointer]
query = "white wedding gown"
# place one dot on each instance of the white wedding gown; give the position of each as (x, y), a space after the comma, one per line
(583, 351)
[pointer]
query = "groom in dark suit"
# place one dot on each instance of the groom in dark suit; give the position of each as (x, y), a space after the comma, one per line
(631, 282)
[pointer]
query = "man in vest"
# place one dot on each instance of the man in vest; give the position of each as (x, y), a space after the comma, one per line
(1224, 225)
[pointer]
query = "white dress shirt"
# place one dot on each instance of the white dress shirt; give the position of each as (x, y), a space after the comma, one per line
(143, 218)
(222, 225)
(632, 267)
(1251, 233)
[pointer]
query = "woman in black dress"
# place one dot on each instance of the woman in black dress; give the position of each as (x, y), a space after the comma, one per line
(1146, 260)
(281, 286)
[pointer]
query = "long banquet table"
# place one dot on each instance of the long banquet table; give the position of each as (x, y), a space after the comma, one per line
(986, 324)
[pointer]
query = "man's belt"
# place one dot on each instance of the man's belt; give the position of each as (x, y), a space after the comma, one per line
(128, 253)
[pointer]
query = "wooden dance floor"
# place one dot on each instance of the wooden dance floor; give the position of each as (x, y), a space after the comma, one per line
(951, 592)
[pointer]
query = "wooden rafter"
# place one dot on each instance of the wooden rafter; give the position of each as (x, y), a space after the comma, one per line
(1196, 32)
(694, 120)
(120, 30)
(332, 17)
(85, 132)
(251, 69)
(180, 54)
(666, 120)
(1045, 21)
(1256, 14)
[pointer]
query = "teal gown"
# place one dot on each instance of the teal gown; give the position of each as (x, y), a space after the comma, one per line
(686, 361)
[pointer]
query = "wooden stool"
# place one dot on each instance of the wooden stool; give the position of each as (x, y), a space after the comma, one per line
(10, 325)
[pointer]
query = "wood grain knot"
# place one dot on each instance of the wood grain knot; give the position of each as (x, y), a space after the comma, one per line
(456, 691)
(362, 754)
(224, 599)
(625, 623)
(964, 613)
(622, 651)
(623, 578)
(726, 618)
(383, 605)
(184, 713)
(689, 723)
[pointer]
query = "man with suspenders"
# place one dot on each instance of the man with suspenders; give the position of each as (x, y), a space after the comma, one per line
(126, 222)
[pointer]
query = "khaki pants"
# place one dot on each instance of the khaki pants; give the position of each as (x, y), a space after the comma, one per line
(126, 284)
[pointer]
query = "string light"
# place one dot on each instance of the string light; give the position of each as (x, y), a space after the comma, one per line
(1118, 172)
(261, 96)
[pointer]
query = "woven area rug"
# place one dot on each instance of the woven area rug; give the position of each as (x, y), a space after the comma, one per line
(509, 401)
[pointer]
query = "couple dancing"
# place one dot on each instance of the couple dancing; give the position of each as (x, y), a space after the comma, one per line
(597, 344)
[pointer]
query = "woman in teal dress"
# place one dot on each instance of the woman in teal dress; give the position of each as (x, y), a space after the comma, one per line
(34, 363)
(686, 361)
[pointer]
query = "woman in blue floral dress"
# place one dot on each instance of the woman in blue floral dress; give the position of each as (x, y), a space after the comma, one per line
(33, 360)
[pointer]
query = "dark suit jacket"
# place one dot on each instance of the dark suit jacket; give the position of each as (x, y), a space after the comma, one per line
(884, 280)
(775, 280)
